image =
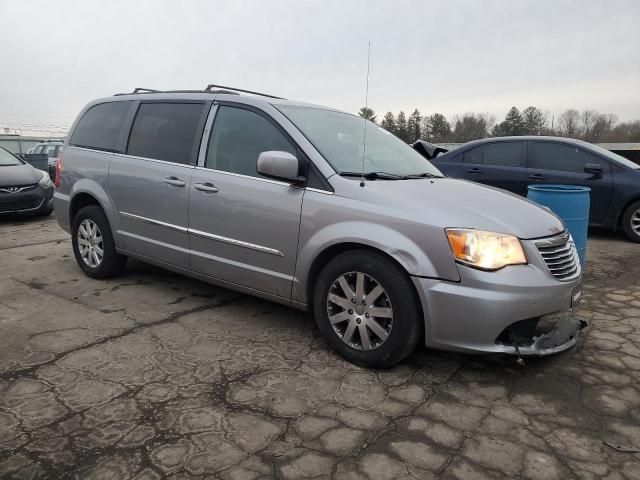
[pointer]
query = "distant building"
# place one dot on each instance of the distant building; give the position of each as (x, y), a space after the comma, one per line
(22, 144)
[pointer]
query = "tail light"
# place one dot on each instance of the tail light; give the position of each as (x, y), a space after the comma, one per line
(56, 181)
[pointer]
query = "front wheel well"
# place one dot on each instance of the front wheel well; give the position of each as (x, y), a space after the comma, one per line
(80, 201)
(333, 251)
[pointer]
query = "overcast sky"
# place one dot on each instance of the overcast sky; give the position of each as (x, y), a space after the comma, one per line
(445, 56)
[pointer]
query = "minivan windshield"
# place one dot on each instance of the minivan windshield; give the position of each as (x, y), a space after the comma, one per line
(339, 137)
(7, 159)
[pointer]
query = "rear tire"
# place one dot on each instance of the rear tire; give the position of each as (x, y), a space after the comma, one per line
(385, 309)
(93, 244)
(631, 221)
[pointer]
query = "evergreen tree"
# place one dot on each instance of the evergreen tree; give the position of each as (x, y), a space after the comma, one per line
(414, 126)
(438, 128)
(534, 121)
(513, 123)
(402, 131)
(368, 113)
(389, 122)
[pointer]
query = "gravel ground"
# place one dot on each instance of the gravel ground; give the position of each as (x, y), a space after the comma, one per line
(153, 375)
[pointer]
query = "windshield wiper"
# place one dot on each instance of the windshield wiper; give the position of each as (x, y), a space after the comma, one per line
(373, 175)
(389, 176)
(424, 175)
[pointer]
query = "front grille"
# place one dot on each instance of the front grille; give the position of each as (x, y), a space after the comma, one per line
(20, 205)
(560, 255)
(17, 188)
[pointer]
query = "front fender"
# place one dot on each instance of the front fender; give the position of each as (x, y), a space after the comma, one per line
(404, 250)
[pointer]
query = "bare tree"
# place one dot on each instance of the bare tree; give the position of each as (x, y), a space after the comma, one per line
(625, 132)
(600, 126)
(471, 126)
(568, 123)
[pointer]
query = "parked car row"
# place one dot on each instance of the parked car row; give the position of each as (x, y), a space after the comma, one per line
(514, 163)
(282, 200)
(23, 188)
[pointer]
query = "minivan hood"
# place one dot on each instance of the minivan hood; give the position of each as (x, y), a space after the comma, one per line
(451, 203)
(19, 175)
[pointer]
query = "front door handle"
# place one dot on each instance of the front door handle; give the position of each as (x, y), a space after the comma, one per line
(537, 176)
(474, 170)
(206, 187)
(174, 182)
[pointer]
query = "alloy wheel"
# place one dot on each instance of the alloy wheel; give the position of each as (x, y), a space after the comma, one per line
(635, 222)
(90, 243)
(360, 311)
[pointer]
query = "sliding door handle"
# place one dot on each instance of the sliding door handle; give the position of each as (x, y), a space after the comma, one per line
(206, 187)
(174, 182)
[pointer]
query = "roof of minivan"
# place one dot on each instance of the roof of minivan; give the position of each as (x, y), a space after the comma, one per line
(255, 100)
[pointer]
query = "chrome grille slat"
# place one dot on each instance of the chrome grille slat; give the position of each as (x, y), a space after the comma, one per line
(560, 255)
(553, 258)
(554, 265)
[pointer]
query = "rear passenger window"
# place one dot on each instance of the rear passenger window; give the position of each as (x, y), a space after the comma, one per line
(504, 154)
(167, 131)
(238, 137)
(100, 126)
(473, 156)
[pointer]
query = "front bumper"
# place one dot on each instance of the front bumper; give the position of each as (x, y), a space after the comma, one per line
(31, 200)
(477, 314)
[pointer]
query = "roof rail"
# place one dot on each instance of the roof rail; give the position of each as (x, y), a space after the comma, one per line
(149, 90)
(212, 86)
(138, 90)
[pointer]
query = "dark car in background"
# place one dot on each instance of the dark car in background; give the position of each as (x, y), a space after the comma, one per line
(514, 163)
(23, 189)
(53, 150)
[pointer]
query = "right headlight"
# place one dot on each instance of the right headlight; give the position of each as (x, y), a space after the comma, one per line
(485, 250)
(45, 181)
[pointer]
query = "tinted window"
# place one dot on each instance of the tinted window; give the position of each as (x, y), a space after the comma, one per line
(473, 156)
(562, 157)
(166, 131)
(237, 139)
(504, 154)
(100, 127)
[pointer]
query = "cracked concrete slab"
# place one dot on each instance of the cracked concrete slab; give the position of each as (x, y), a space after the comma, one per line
(154, 375)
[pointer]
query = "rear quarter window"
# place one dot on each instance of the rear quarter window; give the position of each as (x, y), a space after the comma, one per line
(101, 126)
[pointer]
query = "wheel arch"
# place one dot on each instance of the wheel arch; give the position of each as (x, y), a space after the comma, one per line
(89, 192)
(336, 249)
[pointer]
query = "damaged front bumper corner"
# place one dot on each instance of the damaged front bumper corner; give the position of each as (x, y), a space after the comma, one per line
(560, 337)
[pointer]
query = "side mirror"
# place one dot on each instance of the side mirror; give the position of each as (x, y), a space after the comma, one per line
(279, 165)
(593, 168)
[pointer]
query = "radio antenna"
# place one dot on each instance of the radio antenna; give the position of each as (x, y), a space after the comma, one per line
(364, 118)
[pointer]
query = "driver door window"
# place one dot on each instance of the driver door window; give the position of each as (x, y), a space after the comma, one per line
(237, 139)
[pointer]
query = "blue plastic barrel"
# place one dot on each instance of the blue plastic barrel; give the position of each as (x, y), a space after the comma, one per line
(571, 204)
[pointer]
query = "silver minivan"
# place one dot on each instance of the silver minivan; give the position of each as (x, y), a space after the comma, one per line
(320, 210)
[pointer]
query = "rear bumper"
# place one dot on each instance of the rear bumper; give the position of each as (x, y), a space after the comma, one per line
(477, 314)
(61, 204)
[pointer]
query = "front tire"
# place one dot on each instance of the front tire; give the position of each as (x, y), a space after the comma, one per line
(367, 310)
(93, 244)
(631, 221)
